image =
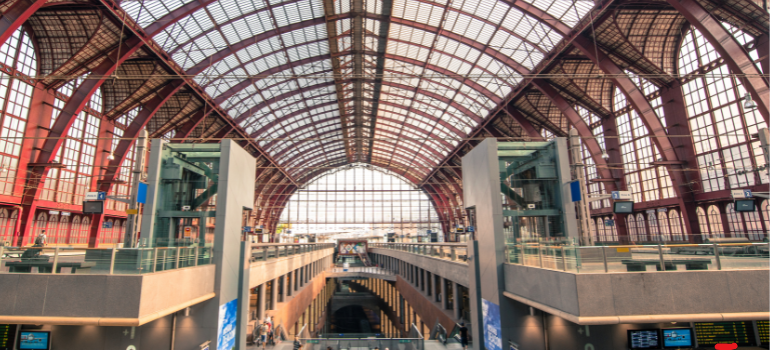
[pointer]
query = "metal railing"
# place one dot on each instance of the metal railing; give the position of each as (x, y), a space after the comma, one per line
(448, 251)
(638, 258)
(415, 341)
(373, 270)
(267, 251)
(99, 261)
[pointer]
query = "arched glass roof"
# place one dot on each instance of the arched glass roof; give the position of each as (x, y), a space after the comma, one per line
(395, 83)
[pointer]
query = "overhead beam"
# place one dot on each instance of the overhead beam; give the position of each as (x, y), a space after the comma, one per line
(16, 15)
(57, 133)
(730, 50)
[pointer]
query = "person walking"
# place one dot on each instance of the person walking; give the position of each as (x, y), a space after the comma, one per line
(41, 239)
(463, 336)
(297, 344)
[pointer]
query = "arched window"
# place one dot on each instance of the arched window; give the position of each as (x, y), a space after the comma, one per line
(715, 222)
(640, 228)
(53, 229)
(703, 223)
(632, 231)
(718, 120)
(64, 229)
(17, 55)
(41, 223)
(611, 231)
(105, 236)
(734, 221)
(652, 223)
(122, 232)
(753, 225)
(675, 224)
(85, 228)
(74, 236)
(78, 152)
(765, 207)
(600, 230)
(663, 227)
(7, 227)
(372, 199)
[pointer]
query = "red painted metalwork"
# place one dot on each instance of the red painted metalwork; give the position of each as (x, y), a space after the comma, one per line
(61, 126)
(585, 133)
(187, 128)
(123, 147)
(16, 15)
(526, 125)
(730, 50)
(637, 99)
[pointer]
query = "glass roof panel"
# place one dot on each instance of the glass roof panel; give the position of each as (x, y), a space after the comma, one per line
(446, 65)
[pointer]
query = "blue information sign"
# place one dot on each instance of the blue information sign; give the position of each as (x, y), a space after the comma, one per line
(141, 193)
(574, 188)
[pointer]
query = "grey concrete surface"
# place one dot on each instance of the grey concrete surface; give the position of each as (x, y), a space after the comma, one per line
(642, 293)
(103, 296)
(454, 270)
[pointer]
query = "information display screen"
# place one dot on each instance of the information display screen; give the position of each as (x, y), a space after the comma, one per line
(623, 207)
(644, 339)
(34, 340)
(711, 333)
(7, 336)
(677, 338)
(764, 331)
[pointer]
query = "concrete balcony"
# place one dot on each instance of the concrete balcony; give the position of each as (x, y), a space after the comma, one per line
(103, 300)
(642, 297)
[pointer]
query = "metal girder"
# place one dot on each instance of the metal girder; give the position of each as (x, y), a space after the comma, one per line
(187, 128)
(577, 121)
(639, 102)
(114, 8)
(382, 43)
(16, 15)
(730, 50)
(124, 145)
(64, 121)
(283, 118)
(568, 35)
(526, 125)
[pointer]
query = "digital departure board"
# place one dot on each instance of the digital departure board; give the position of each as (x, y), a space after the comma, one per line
(764, 331)
(710, 333)
(7, 336)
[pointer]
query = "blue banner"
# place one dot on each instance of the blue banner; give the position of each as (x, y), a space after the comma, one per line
(574, 188)
(141, 193)
(492, 328)
(227, 324)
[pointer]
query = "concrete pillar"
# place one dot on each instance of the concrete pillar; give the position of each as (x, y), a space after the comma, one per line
(274, 294)
(444, 300)
(456, 297)
(261, 302)
(287, 287)
(290, 279)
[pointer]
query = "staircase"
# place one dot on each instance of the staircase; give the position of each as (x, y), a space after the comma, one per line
(365, 259)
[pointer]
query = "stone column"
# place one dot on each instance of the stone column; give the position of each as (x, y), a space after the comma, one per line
(456, 296)
(274, 294)
(261, 302)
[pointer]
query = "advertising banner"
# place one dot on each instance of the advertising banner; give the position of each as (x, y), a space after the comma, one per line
(492, 327)
(226, 330)
(351, 247)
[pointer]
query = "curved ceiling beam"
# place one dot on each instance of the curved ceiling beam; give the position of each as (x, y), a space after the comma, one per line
(542, 16)
(250, 81)
(16, 15)
(38, 170)
(267, 127)
(270, 144)
(730, 49)
(525, 124)
(602, 168)
(414, 151)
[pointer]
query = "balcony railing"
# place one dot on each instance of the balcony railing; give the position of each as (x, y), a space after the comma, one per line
(100, 261)
(639, 258)
(448, 251)
(267, 251)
